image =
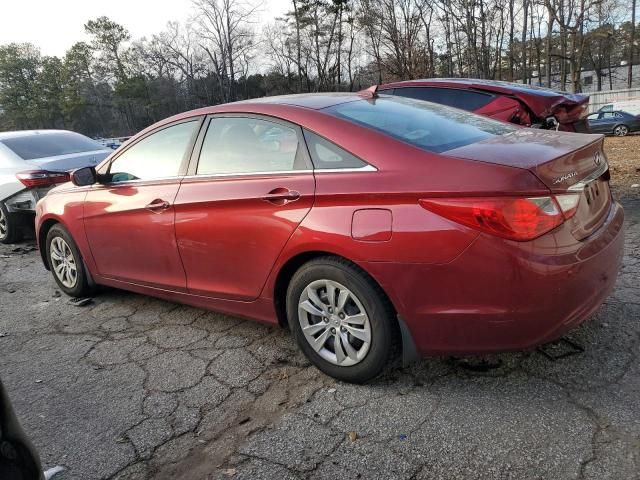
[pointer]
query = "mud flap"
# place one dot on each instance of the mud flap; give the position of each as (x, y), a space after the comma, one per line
(409, 352)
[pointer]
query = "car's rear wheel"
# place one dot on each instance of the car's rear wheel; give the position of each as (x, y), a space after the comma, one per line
(10, 226)
(66, 263)
(620, 130)
(341, 319)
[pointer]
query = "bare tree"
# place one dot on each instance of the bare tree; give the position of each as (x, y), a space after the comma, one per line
(631, 43)
(227, 25)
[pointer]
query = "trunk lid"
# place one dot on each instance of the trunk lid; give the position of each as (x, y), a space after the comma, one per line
(65, 163)
(564, 162)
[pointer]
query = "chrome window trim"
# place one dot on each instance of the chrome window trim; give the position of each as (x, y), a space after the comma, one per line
(247, 174)
(366, 168)
(176, 178)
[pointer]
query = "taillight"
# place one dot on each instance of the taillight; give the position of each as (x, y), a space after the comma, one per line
(568, 204)
(515, 218)
(42, 178)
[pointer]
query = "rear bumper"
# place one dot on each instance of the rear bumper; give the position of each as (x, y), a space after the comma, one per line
(25, 201)
(500, 295)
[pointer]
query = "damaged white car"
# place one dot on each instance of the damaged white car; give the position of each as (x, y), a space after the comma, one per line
(31, 163)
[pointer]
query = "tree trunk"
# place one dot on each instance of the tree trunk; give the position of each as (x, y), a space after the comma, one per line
(549, 44)
(633, 33)
(298, 47)
(525, 6)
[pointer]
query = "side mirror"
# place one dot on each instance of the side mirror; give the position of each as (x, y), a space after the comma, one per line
(83, 177)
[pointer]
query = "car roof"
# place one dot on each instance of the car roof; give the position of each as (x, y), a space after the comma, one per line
(28, 133)
(293, 108)
(315, 101)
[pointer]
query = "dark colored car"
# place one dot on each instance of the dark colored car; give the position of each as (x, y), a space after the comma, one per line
(363, 222)
(19, 459)
(614, 123)
(511, 102)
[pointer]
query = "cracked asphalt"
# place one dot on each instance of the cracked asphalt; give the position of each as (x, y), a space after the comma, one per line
(131, 387)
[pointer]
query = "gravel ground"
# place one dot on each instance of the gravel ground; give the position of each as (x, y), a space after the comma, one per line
(133, 388)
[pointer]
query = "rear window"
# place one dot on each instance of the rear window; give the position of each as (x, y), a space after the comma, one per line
(429, 126)
(50, 144)
(453, 97)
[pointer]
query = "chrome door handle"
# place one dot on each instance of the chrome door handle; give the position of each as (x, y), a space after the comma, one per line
(281, 196)
(158, 205)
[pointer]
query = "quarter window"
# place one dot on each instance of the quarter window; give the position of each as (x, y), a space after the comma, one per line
(326, 154)
(157, 156)
(237, 145)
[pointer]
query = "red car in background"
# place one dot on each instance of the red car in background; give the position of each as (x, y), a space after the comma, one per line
(512, 102)
(366, 223)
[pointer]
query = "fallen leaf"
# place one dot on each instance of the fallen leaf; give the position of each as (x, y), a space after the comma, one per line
(353, 436)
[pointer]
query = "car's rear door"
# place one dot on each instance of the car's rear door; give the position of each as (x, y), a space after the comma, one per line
(603, 123)
(249, 186)
(129, 219)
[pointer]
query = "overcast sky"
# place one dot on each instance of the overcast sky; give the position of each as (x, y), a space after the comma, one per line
(55, 25)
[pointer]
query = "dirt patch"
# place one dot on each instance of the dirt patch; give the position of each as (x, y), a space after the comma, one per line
(624, 161)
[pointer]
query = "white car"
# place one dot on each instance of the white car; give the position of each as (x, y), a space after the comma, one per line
(31, 163)
(629, 106)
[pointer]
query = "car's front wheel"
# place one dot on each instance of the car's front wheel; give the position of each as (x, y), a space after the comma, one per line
(620, 130)
(10, 226)
(66, 263)
(341, 319)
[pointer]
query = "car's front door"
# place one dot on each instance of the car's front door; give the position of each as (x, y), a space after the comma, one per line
(129, 218)
(249, 187)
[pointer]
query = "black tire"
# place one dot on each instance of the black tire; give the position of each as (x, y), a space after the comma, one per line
(81, 287)
(384, 344)
(620, 130)
(10, 226)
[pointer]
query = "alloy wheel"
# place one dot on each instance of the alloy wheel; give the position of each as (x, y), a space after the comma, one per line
(334, 322)
(620, 131)
(63, 262)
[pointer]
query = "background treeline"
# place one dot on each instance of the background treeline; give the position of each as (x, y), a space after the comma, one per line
(114, 85)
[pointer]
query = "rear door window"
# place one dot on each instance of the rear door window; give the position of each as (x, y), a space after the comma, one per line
(429, 126)
(452, 97)
(239, 145)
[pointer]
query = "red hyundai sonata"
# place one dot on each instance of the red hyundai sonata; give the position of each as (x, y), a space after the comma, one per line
(369, 224)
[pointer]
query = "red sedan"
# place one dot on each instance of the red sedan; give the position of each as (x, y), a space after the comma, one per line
(368, 224)
(512, 102)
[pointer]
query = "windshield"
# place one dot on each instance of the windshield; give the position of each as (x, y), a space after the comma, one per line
(426, 125)
(41, 145)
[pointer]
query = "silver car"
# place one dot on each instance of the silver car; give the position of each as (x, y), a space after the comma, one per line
(31, 163)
